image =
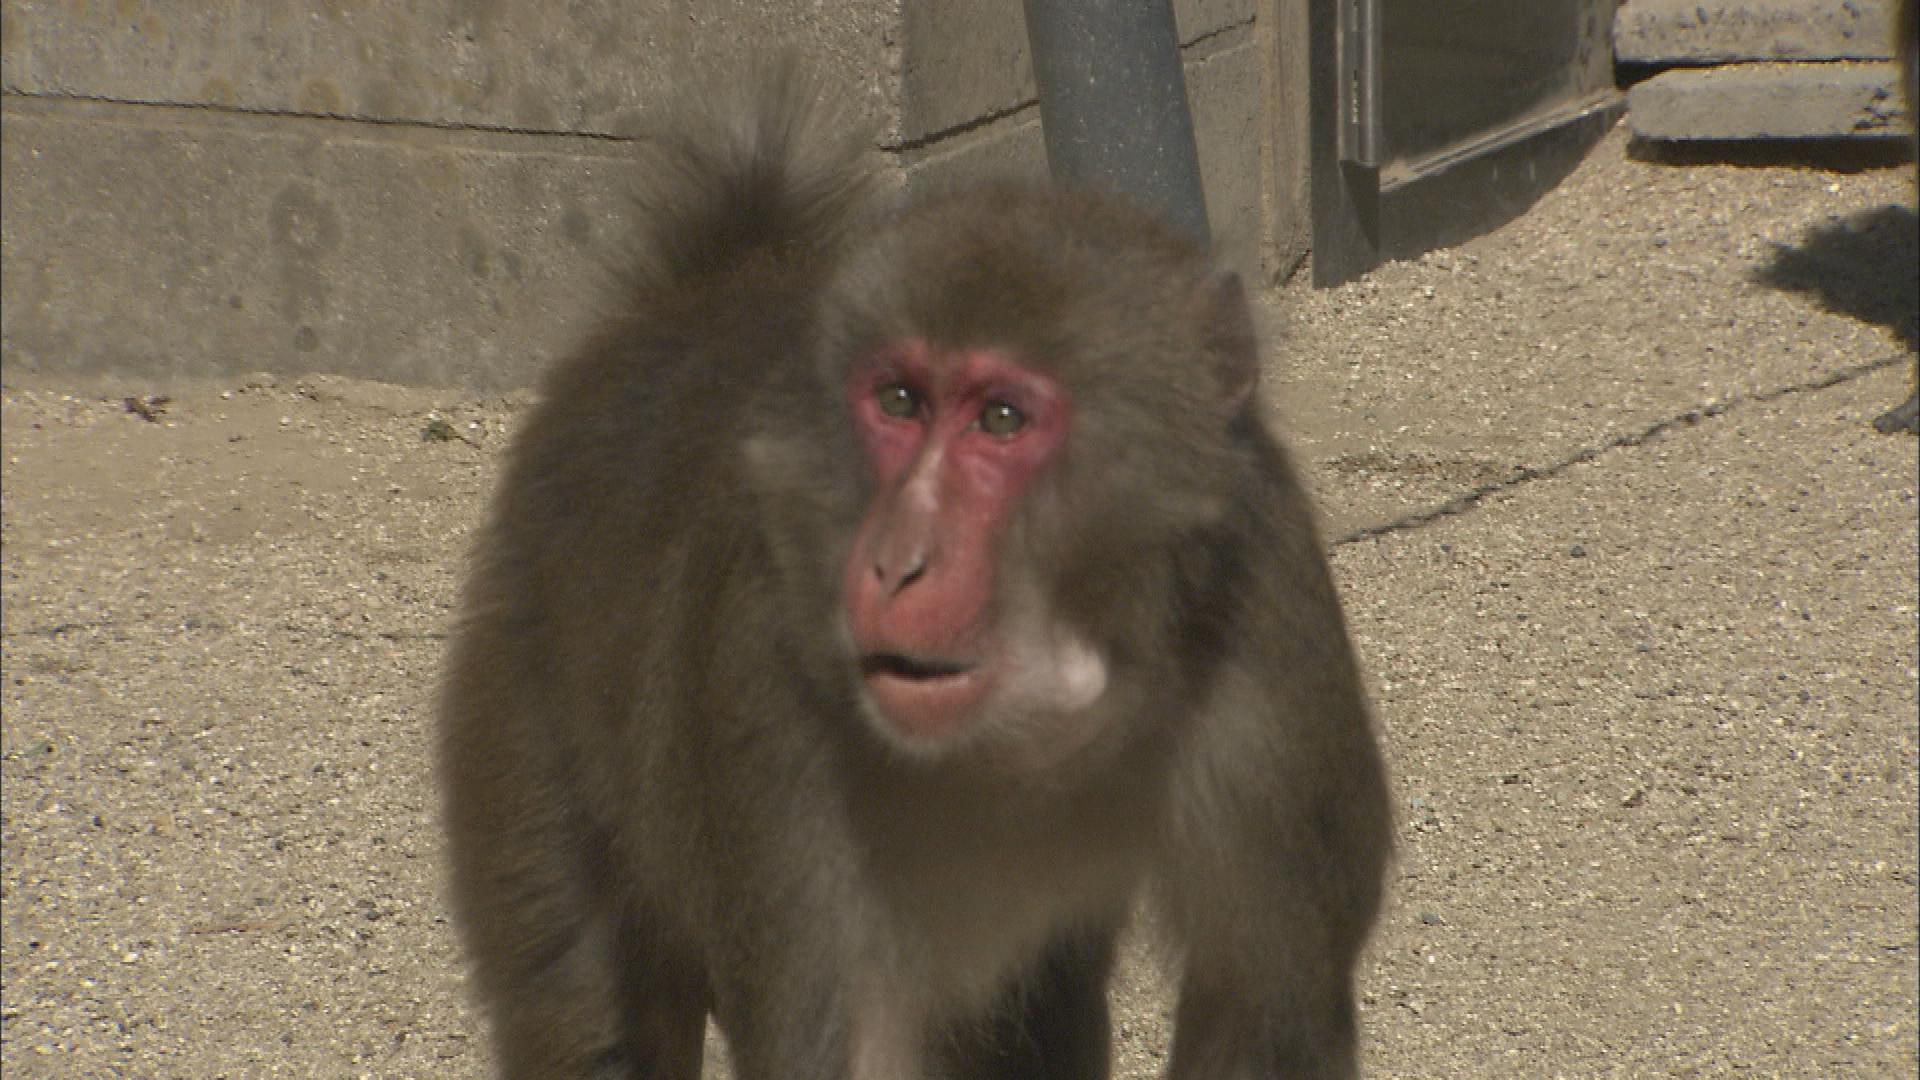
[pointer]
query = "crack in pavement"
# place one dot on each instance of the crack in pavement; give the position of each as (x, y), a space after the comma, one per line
(1527, 474)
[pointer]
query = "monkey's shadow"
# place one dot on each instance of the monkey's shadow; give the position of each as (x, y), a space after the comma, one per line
(1861, 266)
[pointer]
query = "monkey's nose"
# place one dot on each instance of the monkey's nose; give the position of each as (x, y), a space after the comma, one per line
(896, 574)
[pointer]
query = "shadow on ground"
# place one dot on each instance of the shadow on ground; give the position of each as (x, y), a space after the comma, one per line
(1861, 266)
(1843, 156)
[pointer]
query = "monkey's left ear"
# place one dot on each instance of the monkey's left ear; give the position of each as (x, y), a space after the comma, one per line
(1232, 344)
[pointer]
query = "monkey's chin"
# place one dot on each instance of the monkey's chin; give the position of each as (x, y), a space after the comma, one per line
(927, 712)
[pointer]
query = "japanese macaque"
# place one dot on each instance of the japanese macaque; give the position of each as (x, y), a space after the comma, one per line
(869, 616)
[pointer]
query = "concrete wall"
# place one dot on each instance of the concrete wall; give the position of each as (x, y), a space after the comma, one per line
(434, 192)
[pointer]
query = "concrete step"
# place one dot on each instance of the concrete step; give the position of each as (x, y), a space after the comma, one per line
(1722, 31)
(1771, 101)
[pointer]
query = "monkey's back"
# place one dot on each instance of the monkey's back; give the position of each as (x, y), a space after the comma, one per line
(621, 541)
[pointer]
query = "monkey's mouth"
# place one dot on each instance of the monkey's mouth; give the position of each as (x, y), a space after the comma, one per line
(902, 666)
(922, 701)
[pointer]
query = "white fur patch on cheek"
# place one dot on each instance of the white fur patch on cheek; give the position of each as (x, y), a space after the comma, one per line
(1080, 674)
(1051, 703)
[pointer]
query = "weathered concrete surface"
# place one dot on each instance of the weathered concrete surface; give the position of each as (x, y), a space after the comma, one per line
(445, 160)
(177, 243)
(1718, 31)
(967, 59)
(597, 66)
(1227, 114)
(1770, 101)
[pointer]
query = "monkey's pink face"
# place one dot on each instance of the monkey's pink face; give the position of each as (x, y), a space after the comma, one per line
(954, 440)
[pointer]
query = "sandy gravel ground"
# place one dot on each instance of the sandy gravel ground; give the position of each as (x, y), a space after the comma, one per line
(1648, 690)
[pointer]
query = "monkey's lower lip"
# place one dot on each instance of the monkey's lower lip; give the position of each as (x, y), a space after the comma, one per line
(921, 699)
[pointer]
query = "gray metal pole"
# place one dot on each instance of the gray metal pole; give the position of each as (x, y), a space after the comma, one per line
(1113, 103)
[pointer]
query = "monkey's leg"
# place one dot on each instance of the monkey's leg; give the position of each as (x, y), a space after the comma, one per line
(572, 988)
(664, 1003)
(796, 992)
(1309, 1033)
(1272, 909)
(1272, 915)
(569, 987)
(1274, 871)
(540, 950)
(1054, 1026)
(1904, 417)
(789, 1024)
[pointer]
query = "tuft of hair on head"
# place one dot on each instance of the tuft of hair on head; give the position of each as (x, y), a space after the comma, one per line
(763, 168)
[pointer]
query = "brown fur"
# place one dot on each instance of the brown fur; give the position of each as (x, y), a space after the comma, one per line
(662, 797)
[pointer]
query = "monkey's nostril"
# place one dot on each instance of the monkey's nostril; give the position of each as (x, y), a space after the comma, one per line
(894, 583)
(912, 575)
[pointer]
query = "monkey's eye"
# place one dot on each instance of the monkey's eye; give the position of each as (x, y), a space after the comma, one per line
(897, 401)
(1001, 419)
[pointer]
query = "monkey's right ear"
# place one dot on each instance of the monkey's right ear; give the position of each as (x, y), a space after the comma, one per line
(1232, 343)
